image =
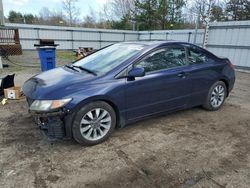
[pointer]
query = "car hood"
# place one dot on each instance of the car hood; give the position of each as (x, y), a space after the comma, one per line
(55, 84)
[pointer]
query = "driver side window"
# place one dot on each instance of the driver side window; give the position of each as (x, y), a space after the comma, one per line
(164, 59)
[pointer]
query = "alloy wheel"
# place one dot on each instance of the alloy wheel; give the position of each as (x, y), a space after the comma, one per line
(217, 96)
(95, 124)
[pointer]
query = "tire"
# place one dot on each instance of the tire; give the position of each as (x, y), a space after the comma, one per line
(216, 96)
(94, 123)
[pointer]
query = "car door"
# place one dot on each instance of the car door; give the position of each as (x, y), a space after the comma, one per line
(165, 87)
(203, 73)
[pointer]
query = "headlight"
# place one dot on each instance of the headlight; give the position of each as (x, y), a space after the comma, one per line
(46, 105)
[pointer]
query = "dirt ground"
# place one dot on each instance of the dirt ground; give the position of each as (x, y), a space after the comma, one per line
(191, 148)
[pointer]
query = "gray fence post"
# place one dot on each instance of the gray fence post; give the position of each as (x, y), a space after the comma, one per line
(138, 36)
(189, 36)
(72, 39)
(37, 34)
(100, 39)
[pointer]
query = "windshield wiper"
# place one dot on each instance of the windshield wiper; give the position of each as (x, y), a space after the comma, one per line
(84, 69)
(71, 67)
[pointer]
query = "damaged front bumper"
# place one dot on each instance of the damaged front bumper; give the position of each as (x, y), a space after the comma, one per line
(56, 124)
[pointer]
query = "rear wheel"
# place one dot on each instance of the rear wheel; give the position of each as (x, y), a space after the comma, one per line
(94, 123)
(216, 96)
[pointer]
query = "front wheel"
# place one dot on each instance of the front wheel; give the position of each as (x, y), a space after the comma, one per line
(216, 96)
(94, 123)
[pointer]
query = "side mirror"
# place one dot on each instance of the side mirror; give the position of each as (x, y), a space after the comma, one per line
(136, 72)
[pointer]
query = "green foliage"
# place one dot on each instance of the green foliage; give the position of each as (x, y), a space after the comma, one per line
(144, 14)
(238, 9)
(175, 9)
(124, 23)
(218, 14)
(29, 18)
(158, 14)
(15, 17)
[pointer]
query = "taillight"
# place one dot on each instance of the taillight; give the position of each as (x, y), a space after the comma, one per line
(231, 64)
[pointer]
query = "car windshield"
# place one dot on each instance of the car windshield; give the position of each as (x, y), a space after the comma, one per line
(108, 58)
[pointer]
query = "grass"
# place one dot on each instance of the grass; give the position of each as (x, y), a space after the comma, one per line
(64, 57)
(31, 58)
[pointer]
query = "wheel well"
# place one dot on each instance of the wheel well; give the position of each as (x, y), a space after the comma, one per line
(227, 85)
(115, 109)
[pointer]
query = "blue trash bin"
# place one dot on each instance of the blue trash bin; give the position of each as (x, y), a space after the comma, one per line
(47, 56)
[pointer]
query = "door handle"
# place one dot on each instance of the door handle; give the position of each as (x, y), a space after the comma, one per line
(183, 74)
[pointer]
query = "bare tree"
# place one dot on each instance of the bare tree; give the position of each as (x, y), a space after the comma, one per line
(90, 20)
(122, 8)
(203, 8)
(71, 11)
(106, 13)
(48, 17)
(45, 13)
(117, 9)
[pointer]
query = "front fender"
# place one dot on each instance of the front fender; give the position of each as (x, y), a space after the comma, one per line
(84, 101)
(69, 118)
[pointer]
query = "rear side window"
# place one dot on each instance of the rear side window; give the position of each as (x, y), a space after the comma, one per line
(164, 59)
(198, 56)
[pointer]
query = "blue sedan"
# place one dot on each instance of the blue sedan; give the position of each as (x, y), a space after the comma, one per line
(123, 83)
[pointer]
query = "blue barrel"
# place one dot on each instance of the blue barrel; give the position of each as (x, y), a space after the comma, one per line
(47, 57)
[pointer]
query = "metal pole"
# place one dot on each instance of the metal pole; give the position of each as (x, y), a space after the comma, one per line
(1, 13)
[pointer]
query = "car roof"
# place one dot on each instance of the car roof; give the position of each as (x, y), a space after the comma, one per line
(162, 43)
(156, 43)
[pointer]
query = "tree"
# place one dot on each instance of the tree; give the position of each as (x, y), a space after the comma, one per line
(170, 12)
(247, 9)
(45, 13)
(15, 17)
(218, 13)
(29, 18)
(175, 9)
(90, 20)
(158, 14)
(122, 8)
(124, 23)
(163, 13)
(146, 14)
(71, 11)
(238, 9)
(49, 17)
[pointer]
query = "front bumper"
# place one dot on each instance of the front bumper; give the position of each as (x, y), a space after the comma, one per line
(52, 123)
(55, 124)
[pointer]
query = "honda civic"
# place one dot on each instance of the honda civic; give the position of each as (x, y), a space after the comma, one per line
(124, 83)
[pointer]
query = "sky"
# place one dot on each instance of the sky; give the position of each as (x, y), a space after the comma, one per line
(34, 6)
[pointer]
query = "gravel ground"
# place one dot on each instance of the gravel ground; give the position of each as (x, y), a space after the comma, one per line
(191, 148)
